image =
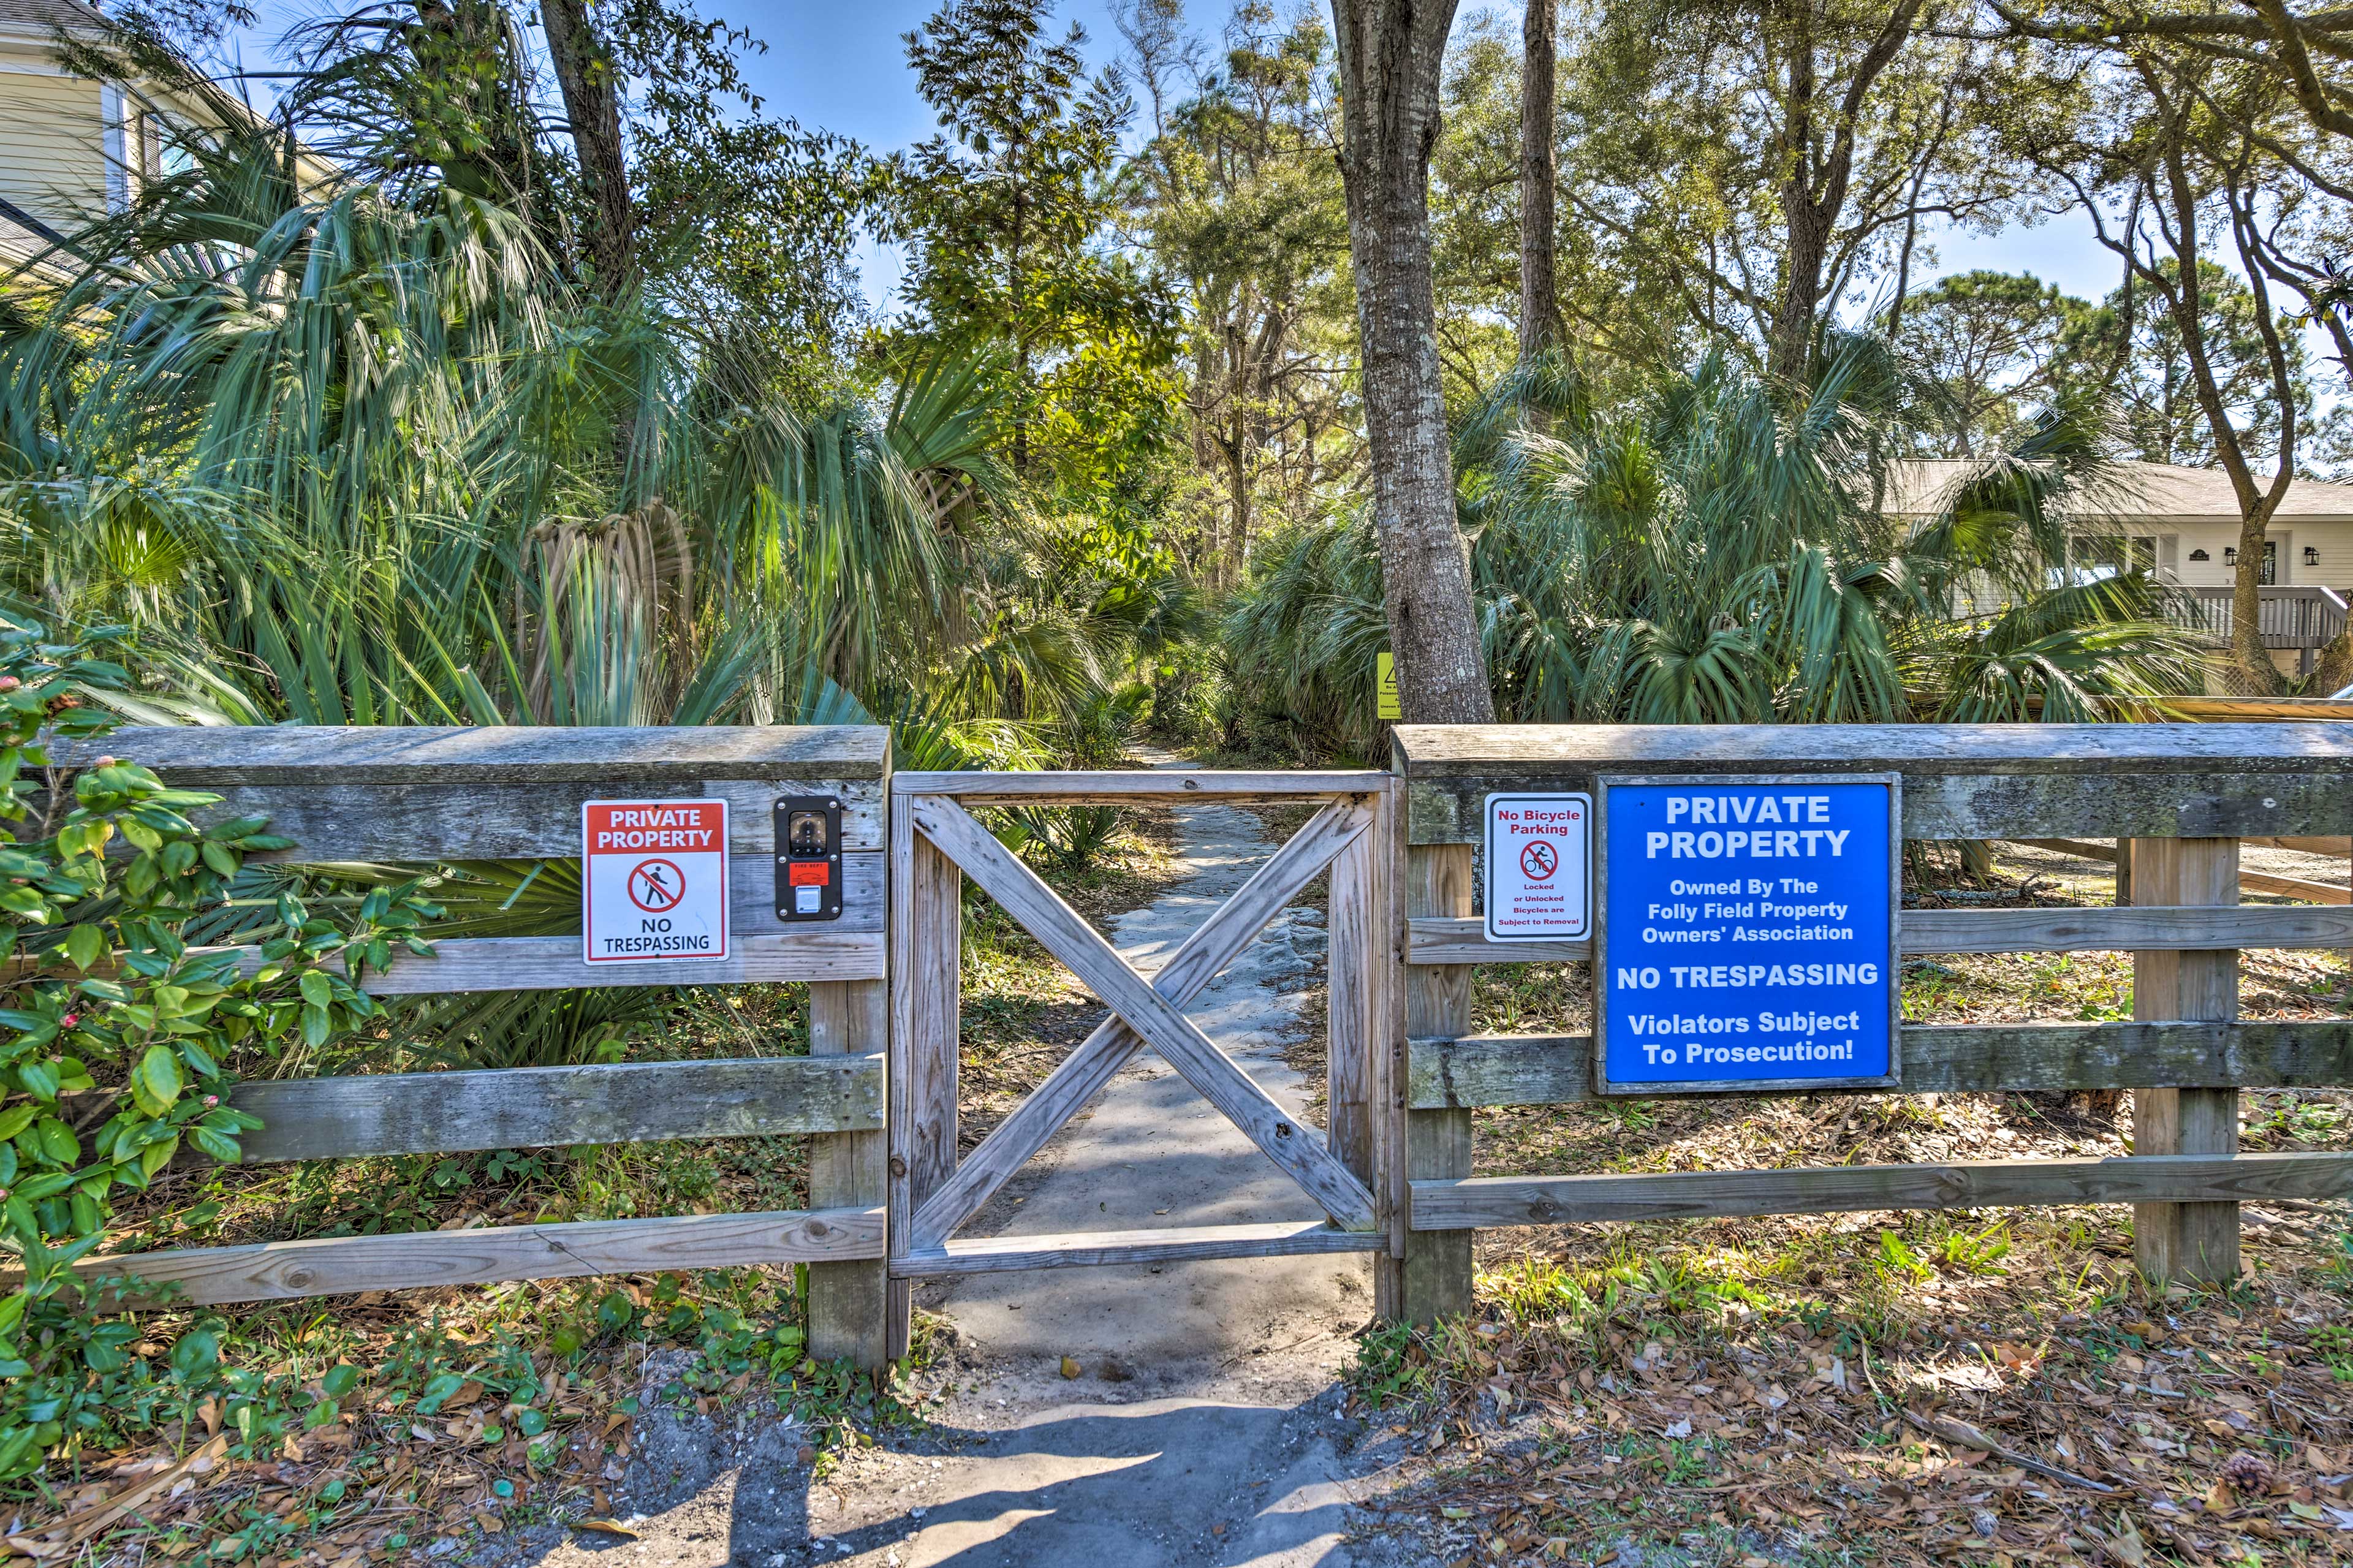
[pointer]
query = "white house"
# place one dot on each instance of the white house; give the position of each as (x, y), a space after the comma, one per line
(2183, 522)
(72, 149)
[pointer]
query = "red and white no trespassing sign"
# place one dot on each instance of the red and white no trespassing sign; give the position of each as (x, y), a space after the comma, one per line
(654, 882)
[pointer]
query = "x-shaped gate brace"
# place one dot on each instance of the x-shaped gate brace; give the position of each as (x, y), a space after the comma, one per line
(1143, 1013)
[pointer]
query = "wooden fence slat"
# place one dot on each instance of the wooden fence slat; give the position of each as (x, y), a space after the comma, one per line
(2177, 1239)
(198, 757)
(1154, 785)
(1938, 1059)
(1846, 1189)
(553, 963)
(926, 954)
(1360, 1036)
(2251, 881)
(2021, 806)
(1433, 1273)
(761, 948)
(848, 1303)
(1010, 1254)
(2137, 927)
(281, 1271)
(529, 1108)
(1459, 941)
(2335, 848)
(331, 820)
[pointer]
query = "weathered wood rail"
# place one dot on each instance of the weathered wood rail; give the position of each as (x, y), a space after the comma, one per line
(429, 797)
(2182, 795)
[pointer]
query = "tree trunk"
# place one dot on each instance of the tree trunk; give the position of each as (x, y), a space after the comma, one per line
(1816, 167)
(2185, 299)
(1540, 324)
(584, 70)
(1391, 52)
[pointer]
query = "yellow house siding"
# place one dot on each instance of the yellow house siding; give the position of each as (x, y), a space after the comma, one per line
(52, 144)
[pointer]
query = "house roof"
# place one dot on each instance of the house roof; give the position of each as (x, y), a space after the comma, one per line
(47, 15)
(2137, 490)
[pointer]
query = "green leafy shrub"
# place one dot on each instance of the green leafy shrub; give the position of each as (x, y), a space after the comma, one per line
(123, 1036)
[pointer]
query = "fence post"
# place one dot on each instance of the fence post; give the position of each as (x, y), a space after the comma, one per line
(927, 950)
(2191, 1241)
(1362, 1094)
(847, 1301)
(1433, 1278)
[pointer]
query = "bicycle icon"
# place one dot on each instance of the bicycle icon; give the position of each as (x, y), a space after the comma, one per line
(1539, 860)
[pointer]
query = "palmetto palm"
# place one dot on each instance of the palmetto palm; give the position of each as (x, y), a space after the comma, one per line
(352, 452)
(1714, 556)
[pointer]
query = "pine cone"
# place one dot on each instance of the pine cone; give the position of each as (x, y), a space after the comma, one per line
(2249, 1474)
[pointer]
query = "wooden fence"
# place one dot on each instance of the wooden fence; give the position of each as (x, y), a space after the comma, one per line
(2185, 793)
(430, 796)
(1393, 1177)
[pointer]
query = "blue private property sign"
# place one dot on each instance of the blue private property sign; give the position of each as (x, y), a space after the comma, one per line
(1748, 933)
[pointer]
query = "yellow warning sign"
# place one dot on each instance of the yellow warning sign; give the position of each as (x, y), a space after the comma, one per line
(1385, 702)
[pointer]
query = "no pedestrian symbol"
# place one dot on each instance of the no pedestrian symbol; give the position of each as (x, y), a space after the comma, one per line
(655, 881)
(657, 886)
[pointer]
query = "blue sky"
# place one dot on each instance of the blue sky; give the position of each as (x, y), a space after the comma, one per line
(842, 66)
(838, 64)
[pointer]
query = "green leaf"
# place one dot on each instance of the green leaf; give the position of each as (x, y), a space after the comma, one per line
(316, 989)
(340, 1379)
(86, 944)
(40, 1079)
(441, 1387)
(156, 1081)
(57, 1140)
(157, 1155)
(15, 1118)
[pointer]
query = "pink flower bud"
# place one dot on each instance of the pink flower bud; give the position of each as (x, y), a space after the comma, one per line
(103, 763)
(9, 683)
(69, 1021)
(211, 1100)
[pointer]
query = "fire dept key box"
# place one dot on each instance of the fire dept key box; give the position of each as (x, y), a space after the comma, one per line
(809, 858)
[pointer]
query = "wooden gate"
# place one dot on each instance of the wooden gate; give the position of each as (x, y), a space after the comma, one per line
(936, 842)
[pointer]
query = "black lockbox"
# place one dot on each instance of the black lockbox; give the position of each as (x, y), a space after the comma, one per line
(809, 858)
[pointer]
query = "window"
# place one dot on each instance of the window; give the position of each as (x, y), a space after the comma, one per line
(2094, 558)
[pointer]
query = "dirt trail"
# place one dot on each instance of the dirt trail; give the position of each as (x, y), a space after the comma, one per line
(1205, 1427)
